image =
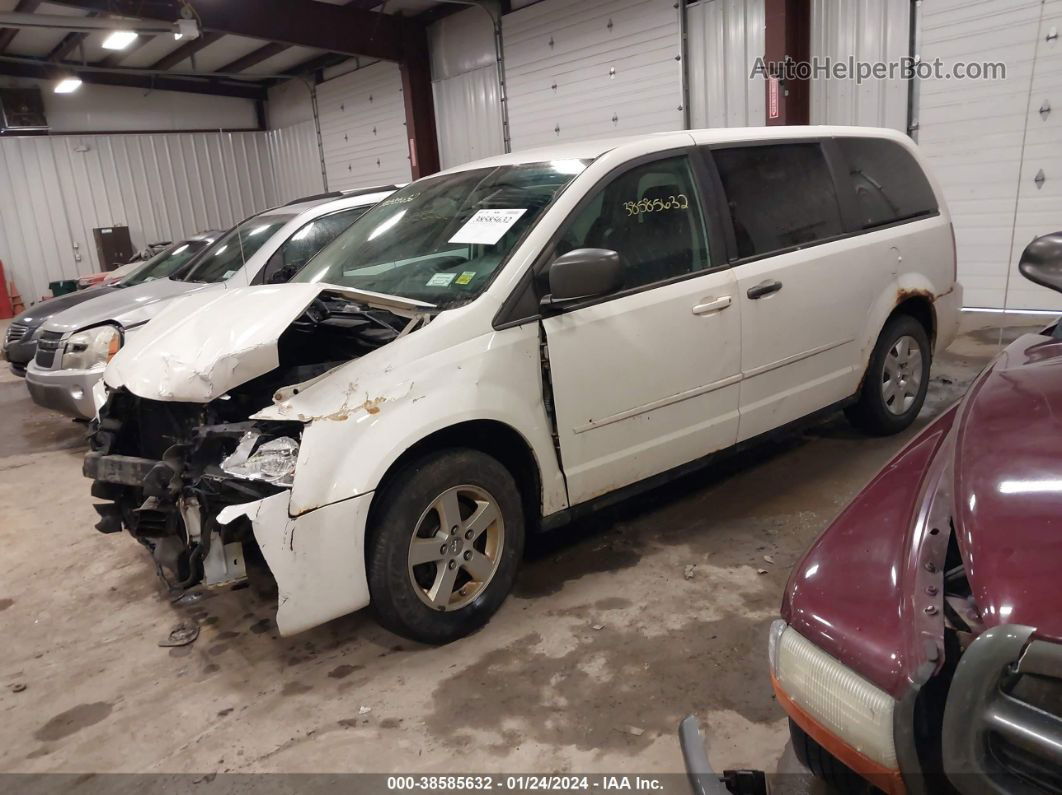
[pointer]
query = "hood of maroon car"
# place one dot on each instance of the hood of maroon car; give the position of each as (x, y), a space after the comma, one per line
(1008, 486)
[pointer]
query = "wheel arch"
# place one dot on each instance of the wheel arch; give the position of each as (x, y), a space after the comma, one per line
(919, 305)
(491, 437)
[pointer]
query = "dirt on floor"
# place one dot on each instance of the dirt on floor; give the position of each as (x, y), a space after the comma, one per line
(618, 627)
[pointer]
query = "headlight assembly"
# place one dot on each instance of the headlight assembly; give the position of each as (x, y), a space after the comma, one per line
(272, 461)
(95, 346)
(843, 703)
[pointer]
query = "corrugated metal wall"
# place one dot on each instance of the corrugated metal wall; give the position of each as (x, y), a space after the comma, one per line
(868, 30)
(464, 73)
(363, 128)
(57, 189)
(296, 161)
(725, 37)
(591, 69)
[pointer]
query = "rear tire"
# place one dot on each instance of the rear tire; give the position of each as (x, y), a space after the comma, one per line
(445, 544)
(826, 766)
(897, 378)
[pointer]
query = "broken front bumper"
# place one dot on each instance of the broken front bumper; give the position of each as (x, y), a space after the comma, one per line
(317, 558)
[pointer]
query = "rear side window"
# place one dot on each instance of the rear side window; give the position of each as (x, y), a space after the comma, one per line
(780, 196)
(889, 184)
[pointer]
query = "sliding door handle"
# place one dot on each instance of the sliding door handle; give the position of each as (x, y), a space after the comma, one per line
(709, 305)
(764, 288)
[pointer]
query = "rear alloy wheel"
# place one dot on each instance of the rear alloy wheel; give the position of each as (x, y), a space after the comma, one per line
(445, 545)
(895, 384)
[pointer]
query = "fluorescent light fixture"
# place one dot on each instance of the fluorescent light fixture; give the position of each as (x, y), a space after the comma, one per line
(119, 40)
(68, 85)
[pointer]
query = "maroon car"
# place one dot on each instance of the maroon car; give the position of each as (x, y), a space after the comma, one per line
(920, 646)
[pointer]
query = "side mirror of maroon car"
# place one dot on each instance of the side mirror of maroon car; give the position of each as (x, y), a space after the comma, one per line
(1041, 262)
(920, 642)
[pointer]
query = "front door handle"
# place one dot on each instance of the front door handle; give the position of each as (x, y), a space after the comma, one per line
(764, 288)
(709, 305)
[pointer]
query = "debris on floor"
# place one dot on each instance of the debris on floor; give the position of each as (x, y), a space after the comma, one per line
(181, 635)
(688, 573)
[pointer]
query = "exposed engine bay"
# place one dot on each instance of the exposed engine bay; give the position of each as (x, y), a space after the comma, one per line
(166, 468)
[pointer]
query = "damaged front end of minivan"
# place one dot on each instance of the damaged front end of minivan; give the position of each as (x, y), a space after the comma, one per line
(184, 463)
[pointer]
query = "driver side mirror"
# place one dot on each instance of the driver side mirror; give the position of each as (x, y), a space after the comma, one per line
(581, 274)
(1041, 262)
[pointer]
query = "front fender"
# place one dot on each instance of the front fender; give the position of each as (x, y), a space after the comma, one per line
(360, 418)
(869, 590)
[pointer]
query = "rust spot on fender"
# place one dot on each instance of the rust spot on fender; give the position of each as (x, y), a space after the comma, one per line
(905, 293)
(373, 406)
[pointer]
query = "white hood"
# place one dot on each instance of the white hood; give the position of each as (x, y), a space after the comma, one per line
(204, 344)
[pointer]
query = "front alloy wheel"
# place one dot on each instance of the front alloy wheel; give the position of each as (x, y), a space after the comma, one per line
(456, 547)
(445, 540)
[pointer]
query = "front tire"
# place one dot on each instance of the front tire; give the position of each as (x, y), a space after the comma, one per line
(825, 766)
(445, 545)
(897, 378)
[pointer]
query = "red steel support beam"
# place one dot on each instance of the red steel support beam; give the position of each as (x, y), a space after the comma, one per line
(787, 37)
(422, 140)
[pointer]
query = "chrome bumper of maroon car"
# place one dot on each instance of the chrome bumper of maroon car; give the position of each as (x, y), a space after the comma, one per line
(993, 739)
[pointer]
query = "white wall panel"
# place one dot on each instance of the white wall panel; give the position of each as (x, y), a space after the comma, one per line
(296, 161)
(725, 38)
(871, 31)
(363, 128)
(57, 189)
(465, 86)
(591, 69)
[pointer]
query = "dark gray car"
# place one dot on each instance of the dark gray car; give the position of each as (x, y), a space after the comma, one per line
(20, 343)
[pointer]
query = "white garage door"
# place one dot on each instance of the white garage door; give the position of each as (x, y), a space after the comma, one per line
(363, 128)
(592, 69)
(988, 140)
(726, 38)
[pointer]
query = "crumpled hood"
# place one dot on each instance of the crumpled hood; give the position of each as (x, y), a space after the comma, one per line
(204, 344)
(126, 306)
(1008, 486)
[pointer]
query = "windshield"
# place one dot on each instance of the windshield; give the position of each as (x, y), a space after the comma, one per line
(233, 249)
(165, 262)
(441, 239)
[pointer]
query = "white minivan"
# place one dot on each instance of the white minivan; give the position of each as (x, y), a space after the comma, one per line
(503, 346)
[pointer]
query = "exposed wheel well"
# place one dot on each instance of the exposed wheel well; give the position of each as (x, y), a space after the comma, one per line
(920, 307)
(497, 440)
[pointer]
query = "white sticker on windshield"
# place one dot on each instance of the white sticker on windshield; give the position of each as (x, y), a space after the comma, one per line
(441, 279)
(487, 226)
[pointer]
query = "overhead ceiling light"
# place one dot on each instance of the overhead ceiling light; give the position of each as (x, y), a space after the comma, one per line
(67, 85)
(119, 40)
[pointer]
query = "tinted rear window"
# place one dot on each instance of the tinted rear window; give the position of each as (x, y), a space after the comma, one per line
(780, 196)
(889, 184)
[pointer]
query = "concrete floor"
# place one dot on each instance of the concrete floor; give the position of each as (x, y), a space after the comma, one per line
(604, 632)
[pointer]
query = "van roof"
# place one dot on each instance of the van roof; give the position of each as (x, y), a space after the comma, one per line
(585, 150)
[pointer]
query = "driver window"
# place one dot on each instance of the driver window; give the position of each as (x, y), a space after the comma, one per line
(651, 216)
(302, 246)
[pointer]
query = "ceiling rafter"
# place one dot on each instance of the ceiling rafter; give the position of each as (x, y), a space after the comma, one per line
(341, 29)
(185, 51)
(7, 35)
(43, 70)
